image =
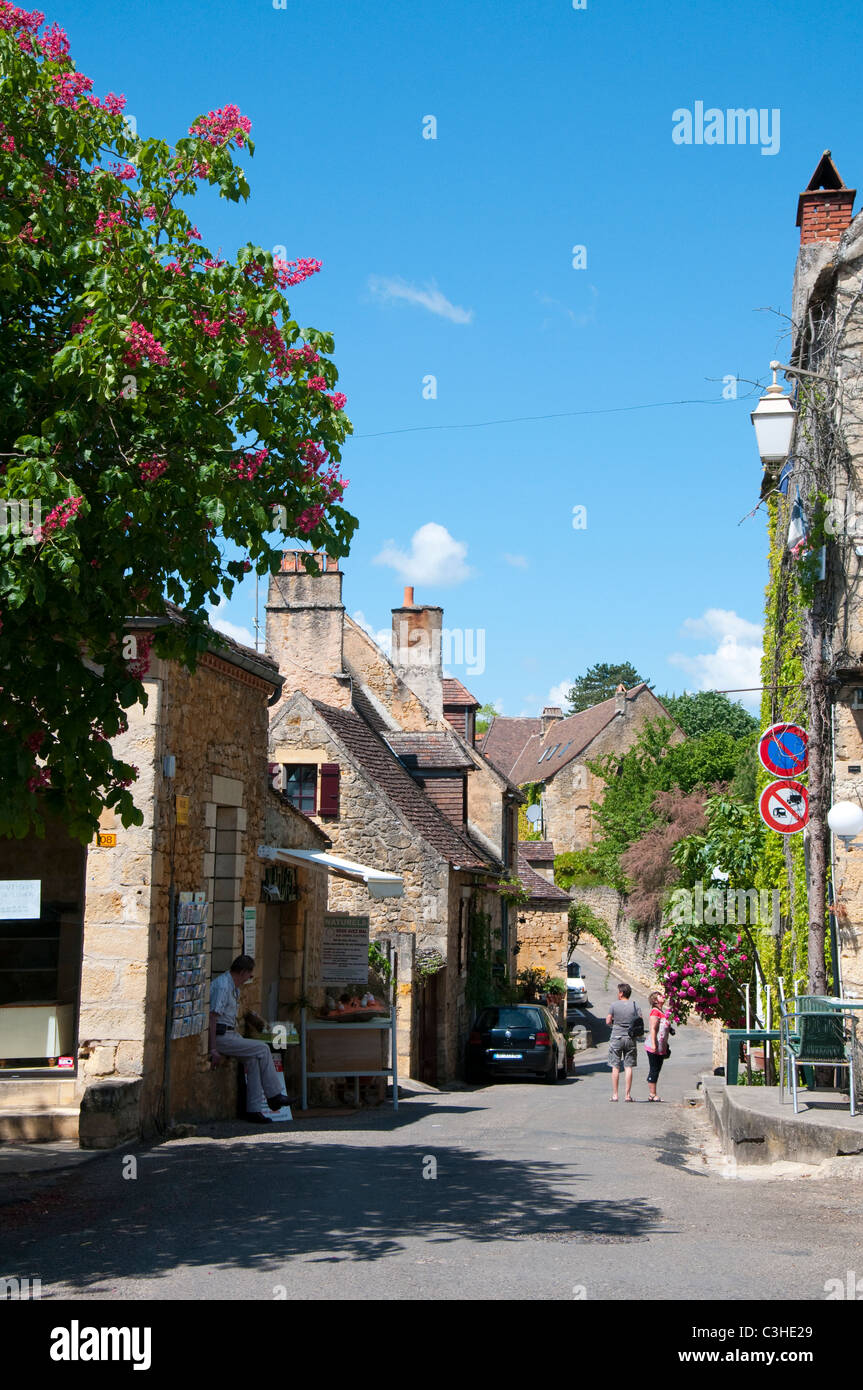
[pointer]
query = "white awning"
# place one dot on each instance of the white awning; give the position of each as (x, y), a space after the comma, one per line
(379, 883)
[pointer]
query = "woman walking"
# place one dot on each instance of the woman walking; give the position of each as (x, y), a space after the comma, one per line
(656, 1045)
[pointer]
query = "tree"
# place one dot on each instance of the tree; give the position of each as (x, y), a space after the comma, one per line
(705, 710)
(484, 715)
(599, 683)
(156, 402)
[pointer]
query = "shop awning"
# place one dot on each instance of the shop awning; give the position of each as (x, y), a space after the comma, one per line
(379, 883)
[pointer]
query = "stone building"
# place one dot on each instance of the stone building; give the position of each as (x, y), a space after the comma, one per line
(365, 749)
(543, 921)
(94, 1036)
(826, 366)
(552, 752)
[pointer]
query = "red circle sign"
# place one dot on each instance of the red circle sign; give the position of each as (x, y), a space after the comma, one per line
(784, 806)
(784, 750)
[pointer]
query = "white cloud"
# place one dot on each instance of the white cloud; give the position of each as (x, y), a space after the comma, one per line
(518, 562)
(435, 558)
(735, 662)
(221, 624)
(382, 637)
(390, 288)
(559, 694)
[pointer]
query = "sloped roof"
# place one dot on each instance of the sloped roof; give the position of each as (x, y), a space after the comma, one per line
(430, 749)
(383, 768)
(505, 739)
(219, 644)
(539, 888)
(454, 694)
(541, 757)
(537, 851)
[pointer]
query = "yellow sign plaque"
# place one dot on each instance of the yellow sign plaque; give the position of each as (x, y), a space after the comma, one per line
(106, 841)
(182, 810)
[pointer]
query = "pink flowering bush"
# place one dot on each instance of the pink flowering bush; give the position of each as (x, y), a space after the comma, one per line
(167, 406)
(702, 970)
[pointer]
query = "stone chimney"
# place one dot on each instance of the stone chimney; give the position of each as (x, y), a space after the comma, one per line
(550, 715)
(620, 700)
(826, 206)
(305, 627)
(417, 651)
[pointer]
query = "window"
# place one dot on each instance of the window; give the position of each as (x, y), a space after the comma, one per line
(301, 785)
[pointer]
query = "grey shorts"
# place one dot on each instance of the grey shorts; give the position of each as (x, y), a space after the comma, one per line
(622, 1052)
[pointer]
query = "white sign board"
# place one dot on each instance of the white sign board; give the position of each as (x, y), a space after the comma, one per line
(345, 950)
(250, 930)
(20, 898)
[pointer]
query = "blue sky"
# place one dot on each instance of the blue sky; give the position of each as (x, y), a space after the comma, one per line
(453, 258)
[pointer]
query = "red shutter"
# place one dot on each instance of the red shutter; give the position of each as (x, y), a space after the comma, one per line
(329, 805)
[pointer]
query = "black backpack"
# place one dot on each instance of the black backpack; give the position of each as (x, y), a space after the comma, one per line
(636, 1027)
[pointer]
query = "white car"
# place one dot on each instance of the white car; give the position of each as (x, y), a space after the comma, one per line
(576, 988)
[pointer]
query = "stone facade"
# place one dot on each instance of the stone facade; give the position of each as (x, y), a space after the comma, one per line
(542, 937)
(634, 948)
(214, 723)
(443, 874)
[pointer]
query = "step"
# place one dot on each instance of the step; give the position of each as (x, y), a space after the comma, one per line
(39, 1126)
(38, 1094)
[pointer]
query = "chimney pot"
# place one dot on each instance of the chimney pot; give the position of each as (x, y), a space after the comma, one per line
(409, 596)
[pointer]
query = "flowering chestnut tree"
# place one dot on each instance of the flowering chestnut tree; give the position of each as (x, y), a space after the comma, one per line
(157, 400)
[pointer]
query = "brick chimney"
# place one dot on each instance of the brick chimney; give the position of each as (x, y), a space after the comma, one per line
(305, 626)
(826, 206)
(550, 715)
(417, 650)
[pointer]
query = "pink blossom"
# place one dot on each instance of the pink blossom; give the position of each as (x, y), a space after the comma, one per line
(294, 272)
(338, 400)
(216, 265)
(79, 327)
(40, 779)
(141, 344)
(312, 453)
(151, 469)
(106, 220)
(309, 519)
(123, 171)
(59, 517)
(114, 104)
(69, 86)
(212, 327)
(217, 127)
(317, 383)
(176, 269)
(247, 466)
(55, 44)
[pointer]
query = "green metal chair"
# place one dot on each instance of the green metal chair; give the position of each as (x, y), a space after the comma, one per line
(813, 1035)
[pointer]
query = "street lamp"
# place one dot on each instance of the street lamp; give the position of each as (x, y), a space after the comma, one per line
(774, 419)
(845, 819)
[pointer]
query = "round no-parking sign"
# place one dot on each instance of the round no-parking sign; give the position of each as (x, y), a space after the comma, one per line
(784, 750)
(784, 806)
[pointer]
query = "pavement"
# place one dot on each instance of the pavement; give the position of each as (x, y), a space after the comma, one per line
(470, 1194)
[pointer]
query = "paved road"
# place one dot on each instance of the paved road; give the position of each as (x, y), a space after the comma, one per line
(542, 1192)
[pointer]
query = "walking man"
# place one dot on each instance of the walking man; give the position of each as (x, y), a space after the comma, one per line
(622, 1049)
(262, 1080)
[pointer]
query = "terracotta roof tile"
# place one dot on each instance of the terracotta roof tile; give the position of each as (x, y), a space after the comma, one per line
(455, 694)
(428, 749)
(505, 740)
(537, 851)
(539, 888)
(382, 766)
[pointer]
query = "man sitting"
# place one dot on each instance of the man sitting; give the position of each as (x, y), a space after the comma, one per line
(262, 1079)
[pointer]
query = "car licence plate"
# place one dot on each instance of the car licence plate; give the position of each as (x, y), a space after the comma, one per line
(506, 1057)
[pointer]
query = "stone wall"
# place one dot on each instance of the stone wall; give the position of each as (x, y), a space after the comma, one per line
(635, 950)
(542, 938)
(304, 630)
(371, 831)
(369, 666)
(568, 797)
